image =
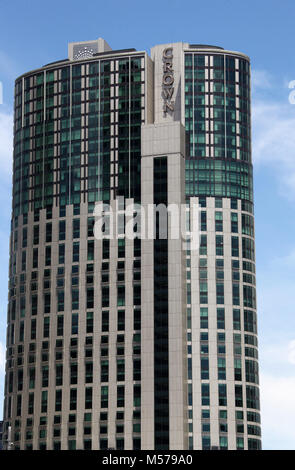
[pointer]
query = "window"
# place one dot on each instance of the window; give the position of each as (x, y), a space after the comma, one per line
(44, 397)
(136, 395)
(220, 319)
(234, 222)
(76, 250)
(219, 245)
(61, 253)
(88, 372)
(75, 320)
(46, 327)
(220, 293)
(205, 394)
(88, 398)
(236, 319)
(73, 399)
(203, 221)
(58, 374)
(218, 222)
(203, 317)
(235, 246)
(47, 255)
(60, 325)
(62, 230)
(221, 368)
(222, 394)
(204, 368)
(203, 292)
(89, 322)
(48, 236)
(75, 299)
(76, 228)
(58, 400)
(104, 397)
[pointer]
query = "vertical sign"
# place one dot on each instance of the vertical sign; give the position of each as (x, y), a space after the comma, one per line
(168, 81)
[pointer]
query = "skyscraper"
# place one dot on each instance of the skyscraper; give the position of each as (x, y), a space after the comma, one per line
(133, 342)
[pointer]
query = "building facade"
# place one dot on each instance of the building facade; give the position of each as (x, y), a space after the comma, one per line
(133, 342)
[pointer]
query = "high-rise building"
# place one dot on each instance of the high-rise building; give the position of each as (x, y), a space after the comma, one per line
(146, 342)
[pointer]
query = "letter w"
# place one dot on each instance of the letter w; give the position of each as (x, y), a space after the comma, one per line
(168, 93)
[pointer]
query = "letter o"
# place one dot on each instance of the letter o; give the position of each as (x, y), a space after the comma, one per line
(168, 79)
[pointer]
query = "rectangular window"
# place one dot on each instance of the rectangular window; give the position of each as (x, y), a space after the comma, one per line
(204, 368)
(31, 404)
(60, 325)
(33, 328)
(75, 321)
(220, 319)
(104, 396)
(58, 375)
(90, 250)
(205, 395)
(90, 297)
(73, 399)
(121, 320)
(36, 235)
(48, 236)
(104, 371)
(58, 400)
(76, 228)
(220, 293)
(88, 372)
(221, 368)
(75, 299)
(222, 394)
(203, 245)
(44, 397)
(218, 222)
(236, 319)
(219, 245)
(204, 317)
(47, 300)
(203, 292)
(60, 301)
(47, 255)
(89, 322)
(35, 258)
(76, 251)
(74, 373)
(235, 246)
(234, 222)
(62, 230)
(61, 253)
(203, 221)
(88, 398)
(46, 327)
(137, 319)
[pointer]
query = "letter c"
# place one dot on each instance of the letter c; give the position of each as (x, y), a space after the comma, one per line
(168, 53)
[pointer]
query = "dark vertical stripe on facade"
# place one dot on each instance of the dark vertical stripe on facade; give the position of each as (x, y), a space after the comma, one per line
(161, 351)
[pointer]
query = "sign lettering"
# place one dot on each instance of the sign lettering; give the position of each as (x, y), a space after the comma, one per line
(168, 80)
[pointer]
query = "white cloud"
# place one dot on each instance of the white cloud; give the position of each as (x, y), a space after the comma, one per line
(278, 411)
(291, 352)
(260, 79)
(273, 127)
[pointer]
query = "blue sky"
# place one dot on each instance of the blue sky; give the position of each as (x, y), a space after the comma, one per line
(34, 33)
